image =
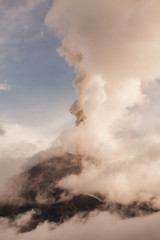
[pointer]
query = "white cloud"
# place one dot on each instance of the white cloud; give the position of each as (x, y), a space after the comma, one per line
(99, 226)
(4, 87)
(17, 144)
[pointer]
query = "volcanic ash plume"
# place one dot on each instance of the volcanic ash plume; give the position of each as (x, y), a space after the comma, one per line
(114, 48)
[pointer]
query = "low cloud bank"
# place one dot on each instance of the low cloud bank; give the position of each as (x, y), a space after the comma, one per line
(99, 226)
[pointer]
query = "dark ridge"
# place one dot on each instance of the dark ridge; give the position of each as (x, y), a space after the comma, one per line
(57, 212)
(134, 209)
(38, 191)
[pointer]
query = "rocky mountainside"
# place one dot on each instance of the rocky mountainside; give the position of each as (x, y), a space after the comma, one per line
(36, 191)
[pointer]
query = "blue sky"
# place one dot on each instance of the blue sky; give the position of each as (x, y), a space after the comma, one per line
(39, 82)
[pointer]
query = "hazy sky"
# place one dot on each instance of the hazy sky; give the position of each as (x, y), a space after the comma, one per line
(35, 83)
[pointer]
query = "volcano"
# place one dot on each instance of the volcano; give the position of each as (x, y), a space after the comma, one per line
(38, 192)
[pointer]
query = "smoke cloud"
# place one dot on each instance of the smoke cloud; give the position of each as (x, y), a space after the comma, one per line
(114, 48)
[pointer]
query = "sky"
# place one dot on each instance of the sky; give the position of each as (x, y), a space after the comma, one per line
(35, 83)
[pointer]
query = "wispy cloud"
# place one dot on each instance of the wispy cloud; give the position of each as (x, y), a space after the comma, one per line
(13, 32)
(4, 87)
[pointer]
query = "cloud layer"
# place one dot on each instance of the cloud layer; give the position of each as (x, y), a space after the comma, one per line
(99, 226)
